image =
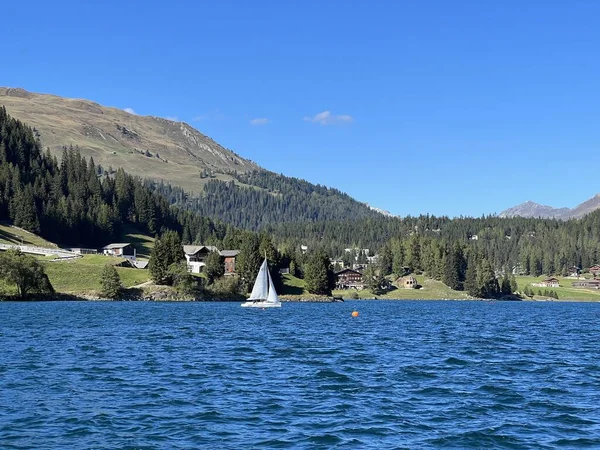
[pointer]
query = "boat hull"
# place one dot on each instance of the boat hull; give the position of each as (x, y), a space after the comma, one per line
(261, 305)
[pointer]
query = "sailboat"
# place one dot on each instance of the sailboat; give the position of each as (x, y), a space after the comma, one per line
(263, 293)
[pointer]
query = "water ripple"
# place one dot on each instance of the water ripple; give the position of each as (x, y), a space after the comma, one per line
(212, 375)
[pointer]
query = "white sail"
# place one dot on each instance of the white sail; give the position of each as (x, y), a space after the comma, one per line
(260, 289)
(272, 297)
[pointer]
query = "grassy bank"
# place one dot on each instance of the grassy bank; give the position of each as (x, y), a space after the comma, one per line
(566, 291)
(82, 275)
(17, 236)
(430, 290)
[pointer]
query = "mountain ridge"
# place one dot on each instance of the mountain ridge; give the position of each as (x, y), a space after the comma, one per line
(534, 210)
(147, 146)
(213, 180)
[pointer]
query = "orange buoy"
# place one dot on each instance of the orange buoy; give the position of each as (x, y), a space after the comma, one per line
(354, 313)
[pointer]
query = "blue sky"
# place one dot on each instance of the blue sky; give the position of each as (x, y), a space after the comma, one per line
(440, 107)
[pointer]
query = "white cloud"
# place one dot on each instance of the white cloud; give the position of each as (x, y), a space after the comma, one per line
(259, 121)
(326, 118)
(130, 111)
(173, 118)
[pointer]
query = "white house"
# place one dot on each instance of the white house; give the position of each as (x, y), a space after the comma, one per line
(124, 250)
(548, 282)
(196, 255)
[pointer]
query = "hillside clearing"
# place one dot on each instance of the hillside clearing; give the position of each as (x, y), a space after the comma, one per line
(14, 235)
(82, 275)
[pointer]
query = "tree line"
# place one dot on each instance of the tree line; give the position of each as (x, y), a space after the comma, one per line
(76, 202)
(261, 198)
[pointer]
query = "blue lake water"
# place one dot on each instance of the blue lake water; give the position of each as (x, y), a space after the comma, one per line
(404, 374)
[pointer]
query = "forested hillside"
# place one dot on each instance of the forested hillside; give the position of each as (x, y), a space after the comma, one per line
(536, 246)
(472, 254)
(76, 202)
(146, 146)
(261, 198)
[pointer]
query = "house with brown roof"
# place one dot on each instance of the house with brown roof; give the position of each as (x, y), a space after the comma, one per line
(548, 282)
(349, 279)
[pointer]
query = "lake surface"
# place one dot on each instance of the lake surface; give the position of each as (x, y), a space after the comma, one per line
(404, 374)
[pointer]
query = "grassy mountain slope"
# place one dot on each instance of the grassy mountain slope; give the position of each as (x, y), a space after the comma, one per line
(236, 190)
(177, 152)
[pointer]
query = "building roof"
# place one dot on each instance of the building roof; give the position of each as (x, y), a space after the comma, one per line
(141, 263)
(348, 270)
(229, 253)
(112, 246)
(193, 249)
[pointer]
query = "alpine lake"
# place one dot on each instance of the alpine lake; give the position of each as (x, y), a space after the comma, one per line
(401, 374)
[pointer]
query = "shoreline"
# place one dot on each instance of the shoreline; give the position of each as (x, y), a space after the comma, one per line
(83, 297)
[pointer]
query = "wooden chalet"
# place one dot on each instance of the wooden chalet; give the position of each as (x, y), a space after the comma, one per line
(548, 282)
(229, 257)
(349, 279)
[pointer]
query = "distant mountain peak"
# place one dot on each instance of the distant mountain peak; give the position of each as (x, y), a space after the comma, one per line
(532, 209)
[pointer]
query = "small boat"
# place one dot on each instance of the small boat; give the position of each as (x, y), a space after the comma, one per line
(263, 293)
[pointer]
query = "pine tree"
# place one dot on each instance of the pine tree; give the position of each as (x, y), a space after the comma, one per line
(505, 285)
(386, 259)
(318, 275)
(249, 260)
(267, 249)
(215, 267)
(413, 254)
(471, 277)
(452, 269)
(375, 282)
(110, 282)
(487, 283)
(25, 211)
(167, 250)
